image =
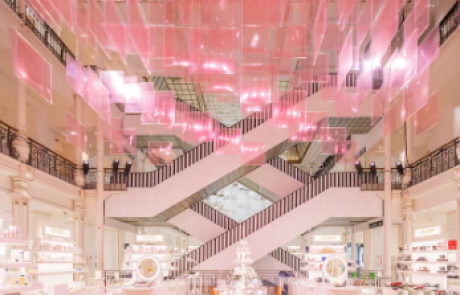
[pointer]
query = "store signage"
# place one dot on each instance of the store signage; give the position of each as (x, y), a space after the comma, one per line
(429, 231)
(376, 224)
(57, 232)
(149, 238)
(327, 238)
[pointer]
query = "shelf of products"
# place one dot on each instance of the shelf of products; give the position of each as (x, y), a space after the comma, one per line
(20, 289)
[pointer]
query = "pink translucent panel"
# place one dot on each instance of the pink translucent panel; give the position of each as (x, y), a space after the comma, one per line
(308, 70)
(138, 30)
(158, 108)
(134, 92)
(422, 15)
(115, 84)
(300, 11)
(351, 108)
(416, 93)
(410, 25)
(291, 41)
(116, 28)
(428, 115)
(76, 76)
(187, 12)
(75, 132)
(197, 127)
(365, 79)
(331, 139)
(364, 22)
(157, 36)
(123, 142)
(404, 66)
(161, 153)
(63, 10)
(288, 113)
(162, 12)
(255, 44)
(333, 37)
(224, 13)
(308, 130)
(345, 7)
(97, 24)
(333, 94)
(82, 21)
(320, 27)
(98, 96)
(429, 49)
(227, 141)
(260, 13)
(378, 105)
(393, 117)
(46, 10)
(384, 28)
(259, 84)
(347, 152)
(222, 84)
(31, 67)
(345, 59)
(252, 153)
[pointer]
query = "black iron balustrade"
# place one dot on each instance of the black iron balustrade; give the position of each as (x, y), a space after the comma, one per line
(116, 181)
(449, 23)
(439, 161)
(13, 4)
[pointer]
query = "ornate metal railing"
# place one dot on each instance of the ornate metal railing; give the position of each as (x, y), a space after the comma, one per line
(40, 157)
(439, 161)
(449, 23)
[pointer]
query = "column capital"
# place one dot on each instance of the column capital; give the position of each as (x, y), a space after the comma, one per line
(20, 189)
(79, 207)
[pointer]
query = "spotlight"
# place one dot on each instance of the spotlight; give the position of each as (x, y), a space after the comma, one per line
(85, 167)
(400, 168)
(127, 167)
(115, 166)
(373, 169)
(358, 167)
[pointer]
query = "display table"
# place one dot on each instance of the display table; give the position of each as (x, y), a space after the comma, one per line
(137, 291)
(348, 290)
(245, 291)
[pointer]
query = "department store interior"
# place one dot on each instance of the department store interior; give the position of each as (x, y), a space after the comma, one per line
(338, 121)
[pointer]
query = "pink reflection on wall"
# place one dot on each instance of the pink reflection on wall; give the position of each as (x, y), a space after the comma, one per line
(228, 141)
(308, 130)
(31, 67)
(158, 108)
(416, 93)
(76, 76)
(197, 127)
(308, 70)
(288, 113)
(422, 15)
(351, 108)
(255, 42)
(252, 153)
(75, 132)
(259, 84)
(429, 49)
(115, 84)
(428, 115)
(98, 96)
(82, 22)
(160, 153)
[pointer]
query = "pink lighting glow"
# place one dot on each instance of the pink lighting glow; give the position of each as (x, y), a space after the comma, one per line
(160, 153)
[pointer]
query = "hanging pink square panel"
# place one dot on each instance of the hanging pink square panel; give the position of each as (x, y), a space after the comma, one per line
(97, 24)
(384, 28)
(345, 59)
(138, 30)
(393, 117)
(158, 107)
(116, 29)
(347, 153)
(161, 153)
(197, 127)
(76, 76)
(427, 116)
(364, 22)
(252, 153)
(320, 27)
(75, 132)
(31, 67)
(261, 13)
(228, 141)
(429, 49)
(416, 93)
(345, 7)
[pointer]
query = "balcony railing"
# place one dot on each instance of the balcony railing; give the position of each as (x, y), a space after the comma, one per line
(40, 157)
(441, 160)
(449, 23)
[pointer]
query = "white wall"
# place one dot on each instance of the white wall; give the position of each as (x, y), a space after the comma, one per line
(110, 249)
(377, 244)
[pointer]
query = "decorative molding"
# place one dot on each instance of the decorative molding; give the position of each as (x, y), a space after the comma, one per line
(444, 178)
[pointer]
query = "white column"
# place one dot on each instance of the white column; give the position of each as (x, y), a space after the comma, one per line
(79, 224)
(387, 208)
(367, 249)
(100, 198)
(121, 247)
(353, 247)
(20, 143)
(78, 174)
(20, 200)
